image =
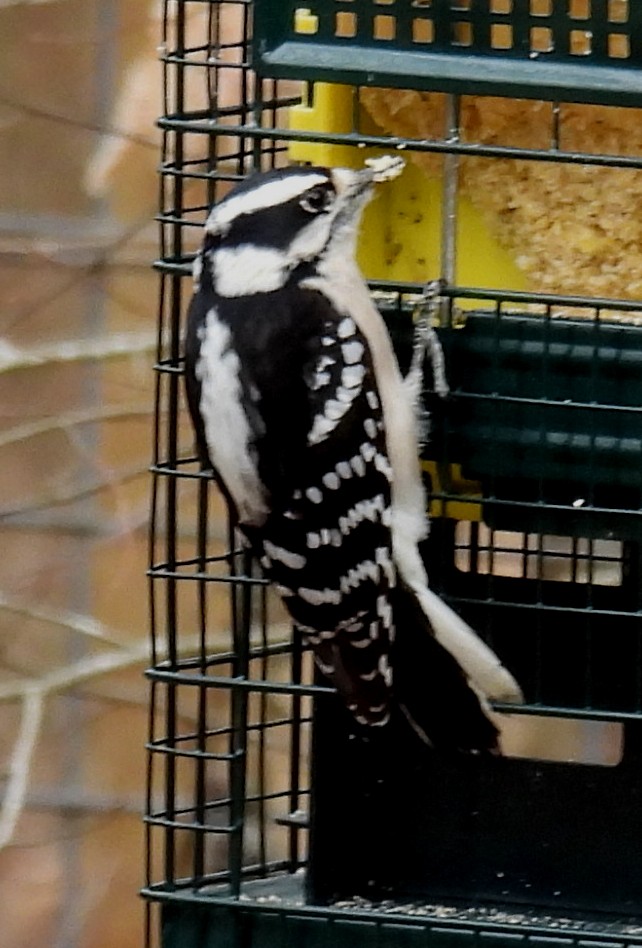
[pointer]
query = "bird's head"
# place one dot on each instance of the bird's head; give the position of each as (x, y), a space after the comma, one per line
(273, 222)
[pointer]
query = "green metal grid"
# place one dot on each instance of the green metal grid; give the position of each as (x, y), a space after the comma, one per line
(575, 50)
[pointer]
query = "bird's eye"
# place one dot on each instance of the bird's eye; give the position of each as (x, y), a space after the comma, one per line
(316, 200)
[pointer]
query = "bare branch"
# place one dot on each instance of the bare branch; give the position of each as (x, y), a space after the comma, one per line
(20, 763)
(66, 495)
(13, 358)
(87, 668)
(70, 419)
(71, 621)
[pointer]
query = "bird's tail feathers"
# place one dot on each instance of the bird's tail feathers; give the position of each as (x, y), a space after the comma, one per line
(478, 661)
(430, 688)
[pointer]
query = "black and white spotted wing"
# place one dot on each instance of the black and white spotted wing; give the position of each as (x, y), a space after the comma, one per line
(328, 544)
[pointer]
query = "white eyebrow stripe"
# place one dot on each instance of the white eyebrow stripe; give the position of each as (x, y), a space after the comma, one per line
(266, 195)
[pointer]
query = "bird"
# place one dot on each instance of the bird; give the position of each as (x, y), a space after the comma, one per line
(301, 413)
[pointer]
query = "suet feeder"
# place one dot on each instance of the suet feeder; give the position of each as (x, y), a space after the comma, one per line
(268, 823)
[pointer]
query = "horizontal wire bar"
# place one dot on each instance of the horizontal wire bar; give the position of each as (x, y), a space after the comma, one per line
(541, 506)
(544, 401)
(530, 552)
(165, 750)
(163, 572)
(258, 870)
(231, 683)
(557, 711)
(192, 827)
(202, 122)
(183, 266)
(255, 653)
(162, 747)
(526, 709)
(225, 802)
(584, 610)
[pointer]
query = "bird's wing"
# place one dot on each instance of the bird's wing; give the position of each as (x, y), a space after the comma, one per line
(327, 542)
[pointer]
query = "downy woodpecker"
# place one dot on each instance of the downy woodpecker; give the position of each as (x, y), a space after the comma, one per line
(300, 410)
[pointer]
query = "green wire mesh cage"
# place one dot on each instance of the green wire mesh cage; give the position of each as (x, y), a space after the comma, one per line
(265, 823)
(589, 50)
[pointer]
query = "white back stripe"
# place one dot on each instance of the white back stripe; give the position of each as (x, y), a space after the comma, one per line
(227, 431)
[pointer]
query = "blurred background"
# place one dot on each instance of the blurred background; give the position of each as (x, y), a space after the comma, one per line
(80, 87)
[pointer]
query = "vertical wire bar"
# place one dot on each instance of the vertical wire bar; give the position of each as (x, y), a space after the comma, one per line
(632, 563)
(538, 690)
(234, 621)
(449, 203)
(491, 612)
(149, 790)
(272, 115)
(356, 110)
(212, 69)
(495, 369)
(201, 724)
(242, 594)
(576, 554)
(149, 919)
(152, 542)
(153, 530)
(172, 457)
(524, 557)
(258, 144)
(263, 698)
(448, 235)
(296, 666)
(541, 491)
(247, 107)
(491, 553)
(590, 500)
(212, 74)
(148, 924)
(556, 127)
(474, 547)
